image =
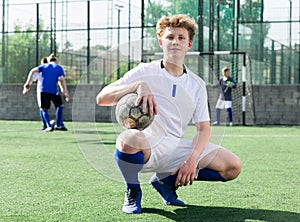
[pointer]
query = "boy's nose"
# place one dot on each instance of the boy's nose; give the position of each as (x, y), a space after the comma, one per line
(174, 41)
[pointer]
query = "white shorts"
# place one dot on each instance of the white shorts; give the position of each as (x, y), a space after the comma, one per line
(167, 155)
(222, 104)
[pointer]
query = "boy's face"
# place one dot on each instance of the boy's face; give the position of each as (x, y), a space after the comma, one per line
(225, 73)
(175, 41)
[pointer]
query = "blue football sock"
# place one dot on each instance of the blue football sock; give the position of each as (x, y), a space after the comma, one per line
(130, 165)
(42, 118)
(46, 117)
(59, 115)
(206, 174)
(167, 178)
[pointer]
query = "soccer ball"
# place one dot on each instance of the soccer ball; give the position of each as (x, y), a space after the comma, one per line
(130, 116)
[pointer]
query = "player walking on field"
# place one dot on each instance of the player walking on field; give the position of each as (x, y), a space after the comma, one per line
(48, 76)
(36, 77)
(226, 84)
(176, 96)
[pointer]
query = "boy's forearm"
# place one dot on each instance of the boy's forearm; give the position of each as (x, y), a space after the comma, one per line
(63, 86)
(111, 94)
(28, 82)
(29, 77)
(201, 139)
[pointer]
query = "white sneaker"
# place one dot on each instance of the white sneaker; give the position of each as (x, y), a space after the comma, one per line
(230, 124)
(216, 123)
(48, 129)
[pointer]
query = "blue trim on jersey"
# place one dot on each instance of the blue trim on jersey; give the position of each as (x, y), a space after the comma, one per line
(174, 90)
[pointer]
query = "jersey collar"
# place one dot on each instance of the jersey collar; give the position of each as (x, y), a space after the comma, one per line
(162, 66)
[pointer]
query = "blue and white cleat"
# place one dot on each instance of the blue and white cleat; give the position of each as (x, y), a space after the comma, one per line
(132, 201)
(167, 191)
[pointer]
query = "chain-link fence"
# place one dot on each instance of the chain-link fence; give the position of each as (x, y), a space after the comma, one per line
(97, 41)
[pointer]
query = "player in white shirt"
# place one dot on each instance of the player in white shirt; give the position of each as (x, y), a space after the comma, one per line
(176, 96)
(36, 77)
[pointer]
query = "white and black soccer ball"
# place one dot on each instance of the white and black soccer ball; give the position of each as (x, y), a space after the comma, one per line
(130, 116)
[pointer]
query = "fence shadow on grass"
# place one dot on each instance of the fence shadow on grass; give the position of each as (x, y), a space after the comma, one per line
(224, 214)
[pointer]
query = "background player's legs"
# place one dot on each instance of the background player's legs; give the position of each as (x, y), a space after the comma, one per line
(218, 113)
(220, 105)
(229, 111)
(38, 96)
(59, 108)
(59, 115)
(43, 120)
(46, 117)
(224, 166)
(45, 103)
(228, 107)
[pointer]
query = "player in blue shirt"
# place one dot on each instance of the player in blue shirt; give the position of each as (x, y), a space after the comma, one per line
(51, 74)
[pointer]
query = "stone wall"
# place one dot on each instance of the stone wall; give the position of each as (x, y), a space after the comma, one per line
(273, 104)
(277, 104)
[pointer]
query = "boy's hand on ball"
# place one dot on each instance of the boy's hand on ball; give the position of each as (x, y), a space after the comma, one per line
(131, 116)
(147, 101)
(145, 95)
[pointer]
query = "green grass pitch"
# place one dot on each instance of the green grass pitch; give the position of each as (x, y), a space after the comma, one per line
(56, 176)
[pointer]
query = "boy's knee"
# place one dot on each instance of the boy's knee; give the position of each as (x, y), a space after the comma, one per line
(234, 169)
(238, 167)
(131, 141)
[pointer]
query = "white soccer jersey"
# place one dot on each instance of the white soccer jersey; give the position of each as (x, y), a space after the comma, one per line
(179, 99)
(36, 78)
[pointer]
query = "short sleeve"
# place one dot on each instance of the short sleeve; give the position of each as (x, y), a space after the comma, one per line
(201, 112)
(35, 76)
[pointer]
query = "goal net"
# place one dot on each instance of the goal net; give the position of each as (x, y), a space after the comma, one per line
(208, 65)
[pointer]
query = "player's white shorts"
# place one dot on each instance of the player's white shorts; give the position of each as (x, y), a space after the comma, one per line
(168, 153)
(222, 104)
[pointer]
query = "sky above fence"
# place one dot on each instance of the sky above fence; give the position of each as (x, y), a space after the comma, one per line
(275, 11)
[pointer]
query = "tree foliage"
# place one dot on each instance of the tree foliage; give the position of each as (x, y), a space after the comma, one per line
(250, 13)
(153, 13)
(21, 51)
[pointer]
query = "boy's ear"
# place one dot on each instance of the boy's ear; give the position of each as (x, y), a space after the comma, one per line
(160, 42)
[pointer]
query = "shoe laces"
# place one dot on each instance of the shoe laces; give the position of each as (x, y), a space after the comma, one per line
(131, 196)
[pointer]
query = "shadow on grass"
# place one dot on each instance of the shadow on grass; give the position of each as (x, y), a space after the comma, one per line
(97, 142)
(90, 132)
(224, 214)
